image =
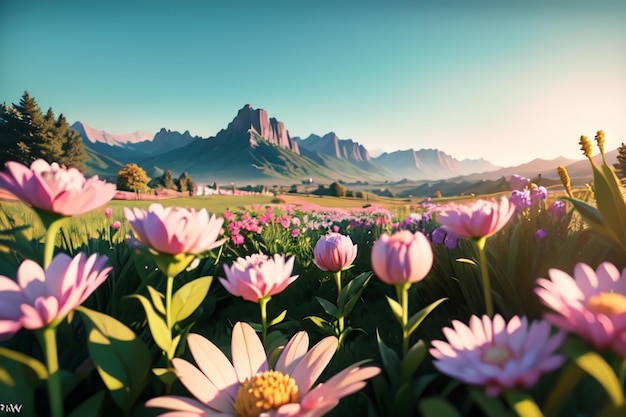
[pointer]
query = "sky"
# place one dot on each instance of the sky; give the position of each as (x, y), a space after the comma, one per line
(503, 81)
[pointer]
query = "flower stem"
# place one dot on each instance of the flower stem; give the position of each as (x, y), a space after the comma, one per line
(263, 305)
(51, 234)
(168, 312)
(337, 276)
(48, 341)
(403, 296)
(484, 271)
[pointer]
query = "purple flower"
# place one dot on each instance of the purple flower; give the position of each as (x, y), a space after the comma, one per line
(438, 235)
(557, 209)
(540, 234)
(517, 182)
(521, 199)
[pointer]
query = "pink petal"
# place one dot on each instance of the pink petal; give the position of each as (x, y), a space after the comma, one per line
(313, 363)
(295, 349)
(248, 353)
(212, 362)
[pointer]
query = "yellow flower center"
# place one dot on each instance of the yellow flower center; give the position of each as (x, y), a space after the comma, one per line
(264, 392)
(608, 303)
(496, 355)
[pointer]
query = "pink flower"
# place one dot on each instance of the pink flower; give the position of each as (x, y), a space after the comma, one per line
(517, 182)
(334, 252)
(55, 189)
(592, 304)
(108, 212)
(237, 239)
(175, 230)
(498, 355)
(38, 298)
(402, 257)
(258, 276)
(249, 387)
(116, 225)
(295, 233)
(480, 218)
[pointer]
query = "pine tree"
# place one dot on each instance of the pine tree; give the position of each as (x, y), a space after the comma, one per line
(185, 183)
(27, 134)
(620, 165)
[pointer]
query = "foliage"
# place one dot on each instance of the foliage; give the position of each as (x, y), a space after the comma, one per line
(132, 178)
(28, 134)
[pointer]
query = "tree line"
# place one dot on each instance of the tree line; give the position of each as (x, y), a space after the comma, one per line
(26, 134)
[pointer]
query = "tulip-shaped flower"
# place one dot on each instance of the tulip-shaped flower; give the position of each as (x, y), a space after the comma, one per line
(334, 252)
(175, 235)
(592, 304)
(257, 278)
(401, 260)
(249, 388)
(54, 192)
(55, 189)
(40, 298)
(496, 354)
(477, 221)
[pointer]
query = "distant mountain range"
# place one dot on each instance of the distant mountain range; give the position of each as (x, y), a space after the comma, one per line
(257, 149)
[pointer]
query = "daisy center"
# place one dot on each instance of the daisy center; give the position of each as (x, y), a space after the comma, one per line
(608, 303)
(496, 355)
(264, 392)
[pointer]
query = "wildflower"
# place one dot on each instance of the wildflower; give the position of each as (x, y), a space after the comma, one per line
(295, 233)
(521, 200)
(517, 182)
(39, 298)
(55, 189)
(175, 230)
(334, 252)
(116, 225)
(403, 257)
(481, 218)
(557, 209)
(249, 388)
(498, 355)
(540, 234)
(258, 276)
(591, 304)
(108, 212)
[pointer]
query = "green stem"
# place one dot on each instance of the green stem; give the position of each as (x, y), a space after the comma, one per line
(168, 312)
(48, 341)
(337, 276)
(484, 271)
(51, 234)
(263, 305)
(403, 296)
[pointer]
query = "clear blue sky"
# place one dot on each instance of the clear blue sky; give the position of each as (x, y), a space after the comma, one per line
(505, 82)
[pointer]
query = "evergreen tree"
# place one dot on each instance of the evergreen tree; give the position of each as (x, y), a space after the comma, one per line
(620, 165)
(167, 180)
(133, 178)
(185, 183)
(27, 134)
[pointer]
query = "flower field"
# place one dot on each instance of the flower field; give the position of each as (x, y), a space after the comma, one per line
(495, 306)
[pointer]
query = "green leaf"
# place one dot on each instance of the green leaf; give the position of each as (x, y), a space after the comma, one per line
(437, 407)
(390, 359)
(278, 318)
(157, 300)
(93, 406)
(416, 319)
(413, 359)
(121, 358)
(354, 288)
(593, 364)
(158, 328)
(189, 297)
(591, 214)
(328, 307)
(38, 368)
(396, 308)
(522, 403)
(355, 295)
(165, 375)
(319, 322)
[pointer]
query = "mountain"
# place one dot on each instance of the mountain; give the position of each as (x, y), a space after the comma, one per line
(255, 148)
(330, 144)
(430, 164)
(91, 135)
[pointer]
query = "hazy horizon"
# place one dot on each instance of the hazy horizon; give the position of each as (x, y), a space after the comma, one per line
(507, 83)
